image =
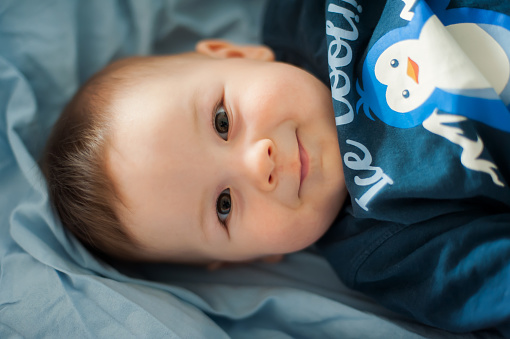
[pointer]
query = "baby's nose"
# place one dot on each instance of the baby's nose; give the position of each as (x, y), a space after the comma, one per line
(260, 164)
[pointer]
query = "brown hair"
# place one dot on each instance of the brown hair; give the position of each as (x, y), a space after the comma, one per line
(74, 166)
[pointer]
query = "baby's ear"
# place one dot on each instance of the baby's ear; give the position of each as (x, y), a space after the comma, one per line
(223, 49)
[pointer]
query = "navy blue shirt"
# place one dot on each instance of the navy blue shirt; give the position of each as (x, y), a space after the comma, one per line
(421, 92)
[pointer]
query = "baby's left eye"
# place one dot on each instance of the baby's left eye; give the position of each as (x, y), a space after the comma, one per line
(221, 123)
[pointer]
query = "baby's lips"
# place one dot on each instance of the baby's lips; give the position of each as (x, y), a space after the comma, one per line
(305, 164)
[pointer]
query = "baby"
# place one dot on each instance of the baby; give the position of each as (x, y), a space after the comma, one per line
(218, 155)
(224, 155)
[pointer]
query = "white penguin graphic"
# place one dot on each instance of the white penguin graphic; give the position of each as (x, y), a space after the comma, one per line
(458, 58)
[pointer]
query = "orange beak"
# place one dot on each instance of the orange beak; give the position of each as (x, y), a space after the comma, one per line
(412, 69)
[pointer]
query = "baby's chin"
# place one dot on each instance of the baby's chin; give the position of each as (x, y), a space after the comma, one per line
(330, 211)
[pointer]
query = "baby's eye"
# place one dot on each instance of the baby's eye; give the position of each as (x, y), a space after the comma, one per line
(223, 206)
(221, 123)
(394, 63)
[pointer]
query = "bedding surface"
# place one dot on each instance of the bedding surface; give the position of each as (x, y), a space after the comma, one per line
(50, 286)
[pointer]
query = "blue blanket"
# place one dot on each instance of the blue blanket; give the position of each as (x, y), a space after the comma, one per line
(50, 286)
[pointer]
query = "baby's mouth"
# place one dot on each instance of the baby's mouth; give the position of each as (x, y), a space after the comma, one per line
(303, 158)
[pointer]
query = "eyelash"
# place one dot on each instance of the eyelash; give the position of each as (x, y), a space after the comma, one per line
(221, 201)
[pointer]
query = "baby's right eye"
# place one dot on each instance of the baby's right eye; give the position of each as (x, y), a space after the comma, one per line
(221, 123)
(223, 206)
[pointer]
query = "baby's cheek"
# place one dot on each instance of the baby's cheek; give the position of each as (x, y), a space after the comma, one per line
(262, 112)
(295, 234)
(266, 229)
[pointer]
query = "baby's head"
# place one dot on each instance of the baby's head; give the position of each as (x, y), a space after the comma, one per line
(217, 155)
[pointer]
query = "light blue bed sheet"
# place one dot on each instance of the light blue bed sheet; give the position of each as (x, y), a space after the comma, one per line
(50, 286)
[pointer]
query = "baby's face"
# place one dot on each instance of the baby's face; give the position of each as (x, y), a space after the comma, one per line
(226, 159)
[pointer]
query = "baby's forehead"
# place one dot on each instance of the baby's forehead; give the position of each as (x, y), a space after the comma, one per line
(125, 76)
(140, 64)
